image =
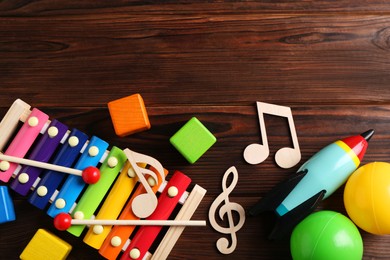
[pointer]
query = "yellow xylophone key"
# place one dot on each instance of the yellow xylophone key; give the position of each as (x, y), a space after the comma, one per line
(113, 205)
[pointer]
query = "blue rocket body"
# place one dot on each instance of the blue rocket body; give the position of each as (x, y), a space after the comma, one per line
(327, 170)
(319, 177)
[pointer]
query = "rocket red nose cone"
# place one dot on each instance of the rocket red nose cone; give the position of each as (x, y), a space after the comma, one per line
(358, 143)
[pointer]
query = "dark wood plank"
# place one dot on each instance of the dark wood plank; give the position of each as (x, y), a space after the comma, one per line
(327, 60)
(49, 8)
(90, 60)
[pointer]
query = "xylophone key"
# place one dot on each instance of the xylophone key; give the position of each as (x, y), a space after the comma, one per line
(112, 205)
(66, 156)
(167, 202)
(19, 110)
(94, 194)
(23, 141)
(74, 185)
(7, 210)
(42, 152)
(118, 236)
(187, 210)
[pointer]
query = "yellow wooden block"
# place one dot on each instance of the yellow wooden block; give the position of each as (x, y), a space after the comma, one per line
(129, 115)
(45, 245)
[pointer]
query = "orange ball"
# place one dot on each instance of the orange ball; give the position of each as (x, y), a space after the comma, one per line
(367, 197)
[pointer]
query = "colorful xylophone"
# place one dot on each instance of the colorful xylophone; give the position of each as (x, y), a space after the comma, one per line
(125, 190)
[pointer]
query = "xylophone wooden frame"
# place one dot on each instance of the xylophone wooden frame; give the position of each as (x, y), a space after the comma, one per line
(20, 111)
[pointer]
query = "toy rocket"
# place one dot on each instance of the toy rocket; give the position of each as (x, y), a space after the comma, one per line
(298, 196)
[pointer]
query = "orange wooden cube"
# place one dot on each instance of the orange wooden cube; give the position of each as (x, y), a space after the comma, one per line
(129, 115)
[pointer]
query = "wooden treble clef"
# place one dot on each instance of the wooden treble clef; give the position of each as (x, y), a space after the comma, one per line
(226, 209)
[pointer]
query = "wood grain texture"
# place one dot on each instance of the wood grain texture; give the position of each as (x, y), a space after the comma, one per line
(327, 60)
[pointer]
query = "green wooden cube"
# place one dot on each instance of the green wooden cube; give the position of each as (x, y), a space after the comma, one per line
(193, 140)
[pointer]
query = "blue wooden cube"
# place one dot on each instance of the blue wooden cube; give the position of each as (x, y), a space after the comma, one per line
(193, 140)
(7, 212)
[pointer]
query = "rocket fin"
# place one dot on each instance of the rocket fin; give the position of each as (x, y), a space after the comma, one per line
(276, 195)
(286, 223)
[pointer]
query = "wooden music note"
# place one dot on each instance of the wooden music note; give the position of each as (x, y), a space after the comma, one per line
(226, 209)
(285, 157)
(144, 204)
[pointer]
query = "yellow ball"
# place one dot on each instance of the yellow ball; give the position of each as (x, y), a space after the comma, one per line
(367, 197)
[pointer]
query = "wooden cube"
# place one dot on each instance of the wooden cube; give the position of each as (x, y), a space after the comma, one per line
(129, 115)
(7, 211)
(193, 140)
(45, 245)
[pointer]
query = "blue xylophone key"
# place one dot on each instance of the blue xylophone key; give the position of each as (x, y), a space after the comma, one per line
(7, 211)
(74, 185)
(50, 181)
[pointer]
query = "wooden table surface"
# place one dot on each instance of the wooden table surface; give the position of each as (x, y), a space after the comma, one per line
(327, 60)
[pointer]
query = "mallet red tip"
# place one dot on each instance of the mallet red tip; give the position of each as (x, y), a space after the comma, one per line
(62, 221)
(91, 175)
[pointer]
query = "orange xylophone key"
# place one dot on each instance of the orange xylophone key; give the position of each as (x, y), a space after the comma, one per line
(118, 236)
